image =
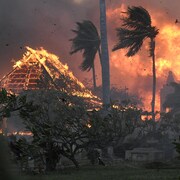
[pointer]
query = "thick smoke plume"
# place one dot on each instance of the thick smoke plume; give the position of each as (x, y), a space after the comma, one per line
(48, 24)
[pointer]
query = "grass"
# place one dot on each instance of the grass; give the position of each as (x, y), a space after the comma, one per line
(110, 173)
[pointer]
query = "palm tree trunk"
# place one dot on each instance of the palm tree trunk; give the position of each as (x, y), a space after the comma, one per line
(104, 56)
(94, 77)
(154, 78)
(99, 53)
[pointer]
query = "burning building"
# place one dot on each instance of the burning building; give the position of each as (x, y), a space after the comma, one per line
(39, 69)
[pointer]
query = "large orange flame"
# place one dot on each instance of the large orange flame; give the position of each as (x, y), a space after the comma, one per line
(136, 72)
(45, 58)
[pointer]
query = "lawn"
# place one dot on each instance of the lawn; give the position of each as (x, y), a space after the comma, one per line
(110, 173)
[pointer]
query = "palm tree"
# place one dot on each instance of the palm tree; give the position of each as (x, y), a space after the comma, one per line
(104, 55)
(135, 29)
(87, 40)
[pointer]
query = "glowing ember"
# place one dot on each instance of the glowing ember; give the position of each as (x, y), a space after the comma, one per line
(89, 125)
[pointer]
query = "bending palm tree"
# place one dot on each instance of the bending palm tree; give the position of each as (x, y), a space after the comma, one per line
(136, 28)
(87, 40)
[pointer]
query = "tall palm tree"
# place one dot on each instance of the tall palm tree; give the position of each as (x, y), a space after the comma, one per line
(87, 40)
(104, 55)
(135, 29)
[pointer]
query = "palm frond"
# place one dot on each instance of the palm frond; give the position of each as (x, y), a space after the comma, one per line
(88, 59)
(130, 39)
(136, 28)
(87, 40)
(135, 47)
(139, 15)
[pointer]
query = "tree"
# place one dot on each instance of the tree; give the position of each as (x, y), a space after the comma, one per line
(87, 40)
(8, 103)
(104, 55)
(112, 128)
(58, 124)
(135, 29)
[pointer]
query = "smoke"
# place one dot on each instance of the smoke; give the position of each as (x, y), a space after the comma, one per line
(39, 23)
(136, 72)
(48, 24)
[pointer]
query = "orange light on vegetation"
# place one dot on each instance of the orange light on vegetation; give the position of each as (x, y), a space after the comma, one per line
(21, 133)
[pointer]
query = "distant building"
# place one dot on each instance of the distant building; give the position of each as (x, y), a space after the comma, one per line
(166, 89)
(144, 155)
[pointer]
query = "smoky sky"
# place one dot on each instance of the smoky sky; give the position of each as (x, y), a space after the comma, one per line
(48, 24)
(40, 23)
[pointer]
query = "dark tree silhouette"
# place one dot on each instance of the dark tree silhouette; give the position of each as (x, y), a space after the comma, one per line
(87, 40)
(135, 29)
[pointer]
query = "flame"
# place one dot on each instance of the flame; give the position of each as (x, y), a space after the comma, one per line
(1, 131)
(44, 57)
(20, 133)
(55, 69)
(136, 72)
(18, 64)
